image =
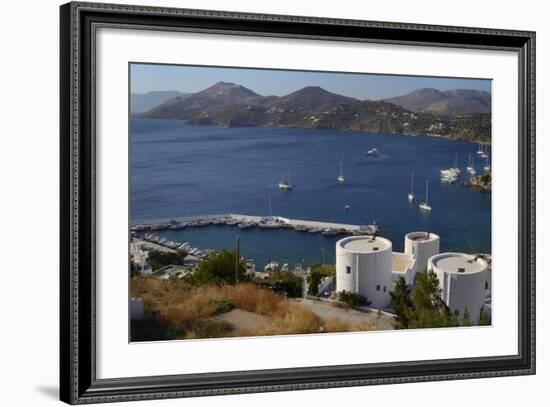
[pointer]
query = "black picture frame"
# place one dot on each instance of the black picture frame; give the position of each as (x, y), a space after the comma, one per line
(78, 382)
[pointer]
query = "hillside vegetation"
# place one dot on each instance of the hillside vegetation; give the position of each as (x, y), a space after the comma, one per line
(459, 114)
(176, 309)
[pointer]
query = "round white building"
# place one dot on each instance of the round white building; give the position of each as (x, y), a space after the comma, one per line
(463, 279)
(422, 246)
(364, 266)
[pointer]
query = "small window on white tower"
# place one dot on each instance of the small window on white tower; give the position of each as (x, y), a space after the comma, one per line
(348, 270)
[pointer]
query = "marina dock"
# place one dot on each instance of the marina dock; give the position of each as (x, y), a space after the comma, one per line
(329, 228)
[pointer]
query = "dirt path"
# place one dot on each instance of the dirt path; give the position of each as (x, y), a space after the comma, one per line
(242, 320)
(326, 311)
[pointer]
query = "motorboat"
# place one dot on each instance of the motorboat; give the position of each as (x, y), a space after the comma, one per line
(372, 152)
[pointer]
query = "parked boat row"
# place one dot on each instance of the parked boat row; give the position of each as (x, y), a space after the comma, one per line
(267, 222)
(450, 175)
(175, 245)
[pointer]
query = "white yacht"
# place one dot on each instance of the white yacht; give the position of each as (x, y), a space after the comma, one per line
(424, 205)
(449, 176)
(341, 176)
(329, 232)
(411, 193)
(285, 183)
(246, 225)
(269, 223)
(372, 151)
(450, 179)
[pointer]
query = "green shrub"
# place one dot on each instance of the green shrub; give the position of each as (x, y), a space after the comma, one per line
(218, 268)
(221, 306)
(318, 272)
(285, 281)
(352, 299)
(158, 259)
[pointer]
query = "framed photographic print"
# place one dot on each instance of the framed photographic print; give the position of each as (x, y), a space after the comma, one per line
(256, 203)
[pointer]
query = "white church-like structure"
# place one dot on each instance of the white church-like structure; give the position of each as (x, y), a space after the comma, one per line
(367, 265)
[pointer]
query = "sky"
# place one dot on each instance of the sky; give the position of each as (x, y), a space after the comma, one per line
(190, 79)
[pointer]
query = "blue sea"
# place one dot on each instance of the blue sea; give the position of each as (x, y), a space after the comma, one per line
(179, 170)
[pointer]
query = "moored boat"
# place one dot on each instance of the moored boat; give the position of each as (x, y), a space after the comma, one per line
(425, 205)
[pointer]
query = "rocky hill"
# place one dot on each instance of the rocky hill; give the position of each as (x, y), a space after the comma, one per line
(449, 102)
(142, 102)
(232, 105)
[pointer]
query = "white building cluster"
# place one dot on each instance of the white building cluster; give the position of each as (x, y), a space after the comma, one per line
(139, 254)
(367, 265)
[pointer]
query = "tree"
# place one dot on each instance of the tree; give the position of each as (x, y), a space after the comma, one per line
(134, 269)
(427, 294)
(318, 272)
(285, 281)
(428, 309)
(353, 299)
(484, 319)
(218, 268)
(402, 304)
(157, 259)
(466, 321)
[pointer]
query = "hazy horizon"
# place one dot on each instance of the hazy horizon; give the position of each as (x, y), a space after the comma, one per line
(146, 78)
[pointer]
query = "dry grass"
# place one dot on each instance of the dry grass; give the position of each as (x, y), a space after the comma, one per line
(249, 297)
(187, 310)
(207, 329)
(339, 304)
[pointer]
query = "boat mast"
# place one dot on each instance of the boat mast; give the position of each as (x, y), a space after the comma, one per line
(426, 192)
(412, 182)
(269, 202)
(288, 172)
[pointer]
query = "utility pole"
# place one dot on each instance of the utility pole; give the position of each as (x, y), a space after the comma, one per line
(237, 259)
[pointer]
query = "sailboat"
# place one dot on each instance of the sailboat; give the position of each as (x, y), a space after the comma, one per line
(455, 168)
(411, 193)
(479, 149)
(341, 176)
(284, 183)
(269, 222)
(487, 167)
(485, 153)
(470, 168)
(424, 205)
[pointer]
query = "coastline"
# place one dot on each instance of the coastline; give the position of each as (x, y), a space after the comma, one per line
(185, 122)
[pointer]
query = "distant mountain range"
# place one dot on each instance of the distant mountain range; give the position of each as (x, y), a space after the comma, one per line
(142, 102)
(458, 101)
(462, 113)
